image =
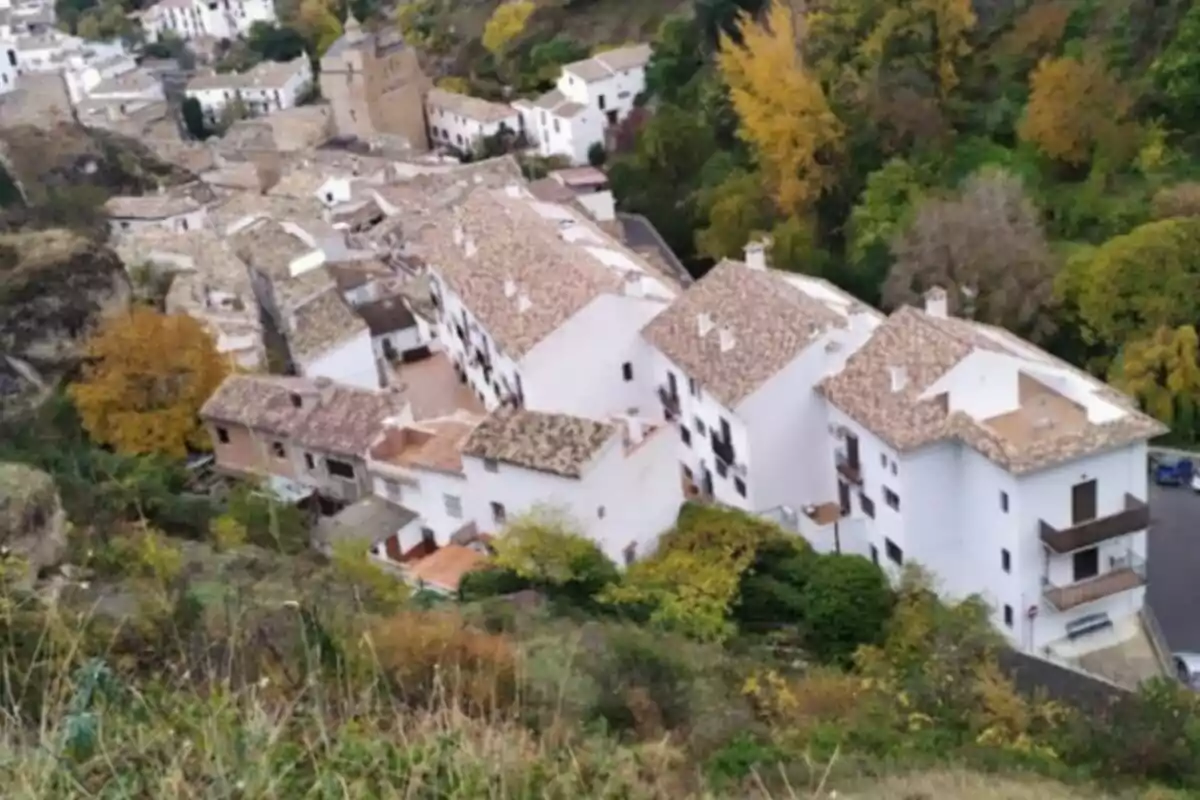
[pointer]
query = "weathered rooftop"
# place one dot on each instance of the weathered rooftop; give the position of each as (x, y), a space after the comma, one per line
(885, 386)
(386, 315)
(321, 324)
(316, 414)
(434, 444)
(754, 324)
(150, 206)
(472, 108)
(554, 443)
(606, 64)
(203, 251)
(267, 245)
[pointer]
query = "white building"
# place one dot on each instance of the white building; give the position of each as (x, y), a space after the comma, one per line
(1001, 469)
(459, 121)
(219, 19)
(135, 88)
(8, 66)
(172, 211)
(395, 332)
(268, 87)
(98, 73)
(616, 480)
(540, 309)
(590, 96)
(737, 359)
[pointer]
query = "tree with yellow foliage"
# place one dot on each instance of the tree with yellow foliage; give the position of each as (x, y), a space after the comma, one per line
(147, 375)
(505, 25)
(1076, 107)
(1163, 372)
(318, 23)
(782, 110)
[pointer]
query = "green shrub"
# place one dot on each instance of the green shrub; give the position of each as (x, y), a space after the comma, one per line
(845, 603)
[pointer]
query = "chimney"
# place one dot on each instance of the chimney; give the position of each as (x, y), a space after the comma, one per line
(704, 323)
(523, 304)
(935, 302)
(899, 378)
(510, 287)
(637, 430)
(726, 339)
(469, 247)
(458, 234)
(756, 253)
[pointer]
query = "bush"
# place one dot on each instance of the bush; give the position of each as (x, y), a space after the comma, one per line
(845, 603)
(597, 155)
(269, 523)
(482, 584)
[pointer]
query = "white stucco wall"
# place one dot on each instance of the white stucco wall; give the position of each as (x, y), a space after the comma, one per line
(352, 362)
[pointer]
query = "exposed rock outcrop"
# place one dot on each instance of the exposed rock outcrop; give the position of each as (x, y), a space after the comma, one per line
(33, 525)
(55, 287)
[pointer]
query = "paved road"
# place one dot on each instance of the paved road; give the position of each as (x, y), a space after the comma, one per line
(1173, 565)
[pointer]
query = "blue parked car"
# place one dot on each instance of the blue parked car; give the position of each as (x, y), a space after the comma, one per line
(1174, 472)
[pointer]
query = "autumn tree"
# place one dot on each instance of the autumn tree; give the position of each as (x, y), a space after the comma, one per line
(547, 549)
(986, 247)
(1163, 372)
(782, 110)
(507, 23)
(1077, 110)
(145, 379)
(1136, 283)
(318, 23)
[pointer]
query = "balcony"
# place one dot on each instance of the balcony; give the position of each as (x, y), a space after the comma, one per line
(1128, 572)
(1135, 517)
(670, 402)
(849, 469)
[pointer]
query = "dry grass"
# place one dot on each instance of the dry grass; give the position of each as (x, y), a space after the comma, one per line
(965, 785)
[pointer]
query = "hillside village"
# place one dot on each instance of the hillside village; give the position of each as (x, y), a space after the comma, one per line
(455, 343)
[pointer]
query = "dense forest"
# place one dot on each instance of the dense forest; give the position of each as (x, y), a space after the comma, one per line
(1038, 159)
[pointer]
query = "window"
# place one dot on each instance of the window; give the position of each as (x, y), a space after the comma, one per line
(1004, 502)
(891, 498)
(893, 467)
(1086, 563)
(687, 472)
(875, 555)
(1008, 616)
(601, 99)
(453, 506)
(726, 433)
(630, 553)
(686, 435)
(278, 450)
(308, 461)
(296, 401)
(883, 460)
(556, 126)
(1005, 560)
(428, 538)
(627, 371)
(499, 515)
(1083, 502)
(868, 505)
(894, 553)
(490, 465)
(740, 486)
(722, 469)
(600, 512)
(340, 469)
(222, 436)
(672, 384)
(700, 426)
(392, 488)
(693, 387)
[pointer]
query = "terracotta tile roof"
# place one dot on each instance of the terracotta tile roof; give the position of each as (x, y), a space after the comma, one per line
(769, 320)
(445, 567)
(434, 444)
(554, 443)
(317, 414)
(610, 62)
(321, 324)
(1044, 427)
(306, 212)
(268, 246)
(472, 108)
(523, 279)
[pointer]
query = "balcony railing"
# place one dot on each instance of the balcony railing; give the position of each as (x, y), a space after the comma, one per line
(1127, 572)
(670, 402)
(1135, 517)
(850, 470)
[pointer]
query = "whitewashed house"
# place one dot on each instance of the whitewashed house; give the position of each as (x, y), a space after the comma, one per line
(460, 122)
(90, 73)
(540, 309)
(1000, 469)
(173, 211)
(267, 87)
(589, 97)
(192, 19)
(737, 360)
(615, 480)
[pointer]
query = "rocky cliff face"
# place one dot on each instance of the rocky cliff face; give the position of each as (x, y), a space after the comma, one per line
(56, 286)
(33, 525)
